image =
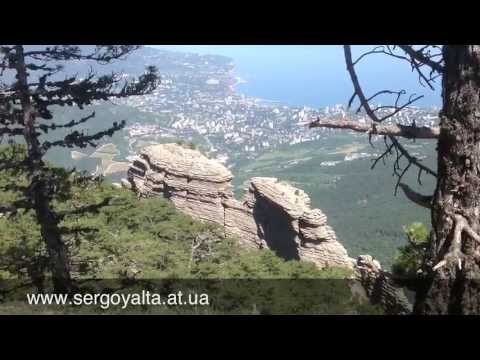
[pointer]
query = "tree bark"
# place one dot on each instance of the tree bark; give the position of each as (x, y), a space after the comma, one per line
(39, 190)
(454, 288)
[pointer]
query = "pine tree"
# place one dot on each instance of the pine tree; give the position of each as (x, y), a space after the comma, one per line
(26, 114)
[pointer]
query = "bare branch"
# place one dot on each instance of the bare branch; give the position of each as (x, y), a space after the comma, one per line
(382, 156)
(366, 106)
(411, 158)
(382, 49)
(385, 92)
(419, 199)
(409, 132)
(397, 108)
(416, 58)
(420, 57)
(376, 50)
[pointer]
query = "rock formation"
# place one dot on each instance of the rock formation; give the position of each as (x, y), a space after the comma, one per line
(273, 214)
(381, 288)
(288, 225)
(195, 184)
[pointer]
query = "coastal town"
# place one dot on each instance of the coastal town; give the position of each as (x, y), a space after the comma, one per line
(198, 99)
(198, 102)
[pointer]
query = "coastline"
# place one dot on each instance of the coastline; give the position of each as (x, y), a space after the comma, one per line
(238, 80)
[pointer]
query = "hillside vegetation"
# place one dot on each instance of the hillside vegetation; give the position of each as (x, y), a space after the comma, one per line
(359, 202)
(130, 239)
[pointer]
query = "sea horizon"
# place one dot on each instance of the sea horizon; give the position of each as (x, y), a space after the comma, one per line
(311, 76)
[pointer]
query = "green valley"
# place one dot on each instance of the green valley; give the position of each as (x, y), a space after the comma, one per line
(359, 202)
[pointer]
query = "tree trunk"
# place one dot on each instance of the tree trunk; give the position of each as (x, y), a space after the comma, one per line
(39, 189)
(455, 287)
(57, 251)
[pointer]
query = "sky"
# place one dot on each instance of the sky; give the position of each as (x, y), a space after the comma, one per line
(313, 75)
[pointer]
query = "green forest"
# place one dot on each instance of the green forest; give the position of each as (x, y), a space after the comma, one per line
(130, 238)
(360, 202)
(70, 225)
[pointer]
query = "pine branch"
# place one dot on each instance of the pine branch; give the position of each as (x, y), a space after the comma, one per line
(80, 93)
(81, 140)
(11, 131)
(92, 208)
(72, 123)
(103, 54)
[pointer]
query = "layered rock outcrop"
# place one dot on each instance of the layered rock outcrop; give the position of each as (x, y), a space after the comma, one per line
(272, 214)
(288, 225)
(381, 288)
(195, 184)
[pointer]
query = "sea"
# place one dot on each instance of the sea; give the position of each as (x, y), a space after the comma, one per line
(315, 75)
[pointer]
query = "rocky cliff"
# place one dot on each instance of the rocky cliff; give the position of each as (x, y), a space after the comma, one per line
(272, 214)
(195, 184)
(381, 288)
(288, 225)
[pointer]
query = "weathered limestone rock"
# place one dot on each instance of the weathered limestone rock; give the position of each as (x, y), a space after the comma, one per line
(381, 288)
(181, 162)
(273, 214)
(194, 183)
(290, 227)
(239, 222)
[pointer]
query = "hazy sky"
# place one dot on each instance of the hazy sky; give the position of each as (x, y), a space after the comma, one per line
(313, 75)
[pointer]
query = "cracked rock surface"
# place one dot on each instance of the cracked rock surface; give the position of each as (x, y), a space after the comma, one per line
(272, 214)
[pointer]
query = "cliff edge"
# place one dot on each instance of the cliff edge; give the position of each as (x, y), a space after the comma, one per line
(272, 214)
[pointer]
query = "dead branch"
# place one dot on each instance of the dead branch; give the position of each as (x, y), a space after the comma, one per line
(419, 199)
(389, 131)
(409, 132)
(417, 59)
(420, 57)
(196, 243)
(358, 92)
